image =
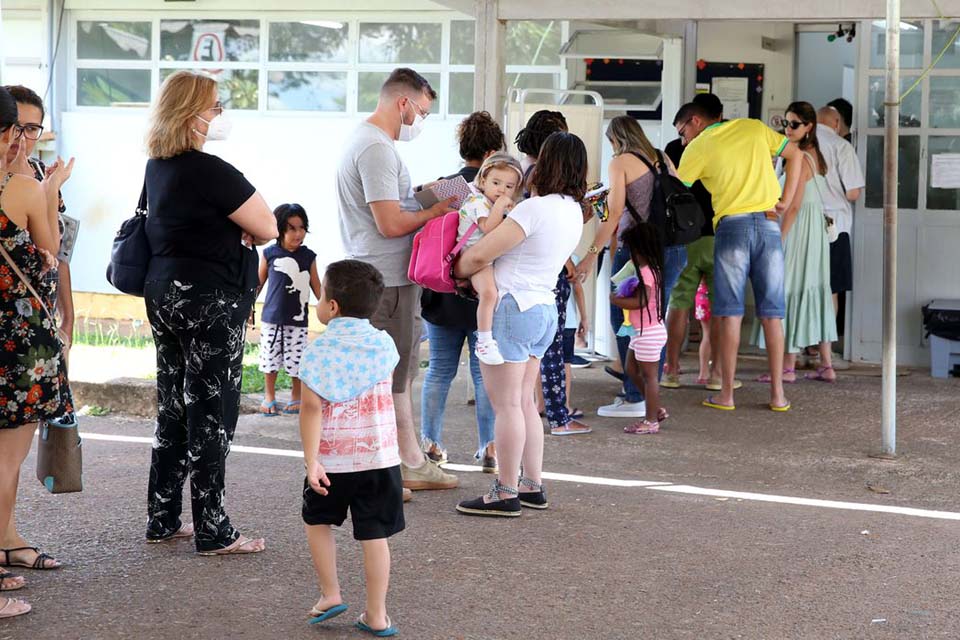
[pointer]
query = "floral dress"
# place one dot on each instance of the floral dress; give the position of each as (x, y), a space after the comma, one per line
(33, 383)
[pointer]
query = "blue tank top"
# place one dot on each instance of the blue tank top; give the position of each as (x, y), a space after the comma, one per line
(288, 286)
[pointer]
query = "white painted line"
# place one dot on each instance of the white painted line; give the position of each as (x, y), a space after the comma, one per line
(810, 502)
(615, 482)
(567, 477)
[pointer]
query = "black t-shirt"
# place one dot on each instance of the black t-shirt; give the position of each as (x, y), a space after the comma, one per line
(674, 151)
(189, 197)
(449, 309)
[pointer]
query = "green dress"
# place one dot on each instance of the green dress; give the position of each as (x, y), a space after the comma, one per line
(809, 318)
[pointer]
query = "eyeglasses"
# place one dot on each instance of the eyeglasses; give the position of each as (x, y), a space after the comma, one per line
(681, 129)
(420, 110)
(793, 124)
(28, 131)
(217, 108)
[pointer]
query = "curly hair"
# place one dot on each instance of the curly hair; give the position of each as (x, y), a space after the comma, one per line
(479, 134)
(538, 128)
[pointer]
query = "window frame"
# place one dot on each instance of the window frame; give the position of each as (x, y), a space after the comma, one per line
(263, 66)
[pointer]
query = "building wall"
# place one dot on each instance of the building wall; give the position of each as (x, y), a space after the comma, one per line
(723, 41)
(21, 45)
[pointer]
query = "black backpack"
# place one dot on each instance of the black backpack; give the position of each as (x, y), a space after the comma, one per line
(673, 207)
(130, 257)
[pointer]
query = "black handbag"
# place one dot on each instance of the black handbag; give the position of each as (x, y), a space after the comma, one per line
(130, 257)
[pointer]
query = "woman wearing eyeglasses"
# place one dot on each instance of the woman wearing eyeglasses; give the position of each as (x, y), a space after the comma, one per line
(809, 319)
(203, 218)
(31, 359)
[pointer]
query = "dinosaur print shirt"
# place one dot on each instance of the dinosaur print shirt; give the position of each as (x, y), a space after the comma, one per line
(288, 285)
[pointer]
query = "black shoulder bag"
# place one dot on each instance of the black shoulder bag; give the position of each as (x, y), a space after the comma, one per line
(130, 257)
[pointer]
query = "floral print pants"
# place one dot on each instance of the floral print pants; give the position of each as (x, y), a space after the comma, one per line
(199, 333)
(553, 375)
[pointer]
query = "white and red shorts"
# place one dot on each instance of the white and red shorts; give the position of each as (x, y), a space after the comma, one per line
(648, 345)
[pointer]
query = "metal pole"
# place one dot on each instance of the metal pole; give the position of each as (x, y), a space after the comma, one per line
(891, 148)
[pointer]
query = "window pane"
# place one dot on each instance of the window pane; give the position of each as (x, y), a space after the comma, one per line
(412, 43)
(533, 42)
(942, 32)
(238, 88)
(210, 40)
(909, 108)
(911, 44)
(113, 40)
(113, 87)
(307, 91)
(938, 198)
(371, 81)
(945, 102)
(309, 41)
(462, 41)
(461, 93)
(907, 172)
(533, 80)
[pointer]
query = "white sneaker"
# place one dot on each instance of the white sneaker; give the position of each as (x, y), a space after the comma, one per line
(623, 409)
(489, 352)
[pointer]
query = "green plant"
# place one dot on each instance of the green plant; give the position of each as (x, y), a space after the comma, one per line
(253, 380)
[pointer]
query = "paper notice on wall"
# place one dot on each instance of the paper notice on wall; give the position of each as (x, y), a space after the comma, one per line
(945, 171)
(731, 90)
(734, 110)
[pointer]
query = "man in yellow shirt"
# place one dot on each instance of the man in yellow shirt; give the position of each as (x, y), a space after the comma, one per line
(734, 161)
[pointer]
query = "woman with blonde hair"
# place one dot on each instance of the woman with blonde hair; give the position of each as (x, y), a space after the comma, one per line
(631, 188)
(203, 219)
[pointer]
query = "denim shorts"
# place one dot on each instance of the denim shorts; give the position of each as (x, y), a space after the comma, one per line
(522, 335)
(748, 246)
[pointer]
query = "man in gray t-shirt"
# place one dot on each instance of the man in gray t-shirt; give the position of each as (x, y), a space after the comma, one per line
(378, 217)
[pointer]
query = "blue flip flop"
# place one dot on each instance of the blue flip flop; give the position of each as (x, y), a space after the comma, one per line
(292, 407)
(322, 616)
(380, 633)
(265, 409)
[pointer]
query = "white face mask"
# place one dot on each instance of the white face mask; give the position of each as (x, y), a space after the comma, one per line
(410, 131)
(217, 129)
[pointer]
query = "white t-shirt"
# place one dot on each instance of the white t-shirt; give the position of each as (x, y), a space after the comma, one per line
(843, 174)
(474, 207)
(552, 225)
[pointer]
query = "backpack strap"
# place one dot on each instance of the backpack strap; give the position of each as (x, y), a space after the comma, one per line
(457, 248)
(656, 175)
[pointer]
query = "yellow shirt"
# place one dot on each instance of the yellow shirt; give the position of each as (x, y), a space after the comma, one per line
(733, 159)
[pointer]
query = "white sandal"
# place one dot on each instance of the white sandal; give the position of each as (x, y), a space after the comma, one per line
(14, 607)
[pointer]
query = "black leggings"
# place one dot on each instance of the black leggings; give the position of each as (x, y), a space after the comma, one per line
(199, 333)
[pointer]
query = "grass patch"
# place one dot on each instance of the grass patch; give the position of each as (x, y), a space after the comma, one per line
(253, 380)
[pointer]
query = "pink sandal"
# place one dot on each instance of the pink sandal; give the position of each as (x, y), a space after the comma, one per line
(819, 377)
(765, 378)
(643, 427)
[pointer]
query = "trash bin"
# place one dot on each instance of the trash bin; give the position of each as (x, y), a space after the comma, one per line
(941, 321)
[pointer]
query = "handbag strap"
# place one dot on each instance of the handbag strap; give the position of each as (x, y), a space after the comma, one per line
(23, 278)
(142, 204)
(813, 168)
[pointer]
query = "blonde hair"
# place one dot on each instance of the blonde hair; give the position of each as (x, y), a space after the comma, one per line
(183, 96)
(626, 135)
(503, 161)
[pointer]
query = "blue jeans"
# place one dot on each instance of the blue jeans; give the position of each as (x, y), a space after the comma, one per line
(446, 344)
(748, 246)
(674, 260)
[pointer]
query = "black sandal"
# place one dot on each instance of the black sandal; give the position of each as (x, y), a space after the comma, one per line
(13, 585)
(39, 563)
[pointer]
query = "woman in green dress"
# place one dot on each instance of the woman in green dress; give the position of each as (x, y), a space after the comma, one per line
(809, 318)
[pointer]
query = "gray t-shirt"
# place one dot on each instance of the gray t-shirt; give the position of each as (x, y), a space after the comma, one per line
(372, 170)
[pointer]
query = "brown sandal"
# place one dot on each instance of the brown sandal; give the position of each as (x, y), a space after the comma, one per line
(185, 531)
(11, 581)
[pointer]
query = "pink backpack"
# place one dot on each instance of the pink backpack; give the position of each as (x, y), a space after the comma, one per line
(434, 248)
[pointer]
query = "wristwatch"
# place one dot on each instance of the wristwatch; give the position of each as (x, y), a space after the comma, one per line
(593, 249)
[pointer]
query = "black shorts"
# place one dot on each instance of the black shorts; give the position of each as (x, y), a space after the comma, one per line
(569, 343)
(375, 500)
(841, 264)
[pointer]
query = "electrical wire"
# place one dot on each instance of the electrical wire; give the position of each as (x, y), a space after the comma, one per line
(56, 51)
(933, 64)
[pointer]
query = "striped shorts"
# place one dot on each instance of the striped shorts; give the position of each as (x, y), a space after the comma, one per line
(648, 345)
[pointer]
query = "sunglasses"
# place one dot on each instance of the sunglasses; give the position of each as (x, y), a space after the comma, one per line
(793, 124)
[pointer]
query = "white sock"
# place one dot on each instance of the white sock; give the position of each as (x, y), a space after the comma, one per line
(485, 336)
